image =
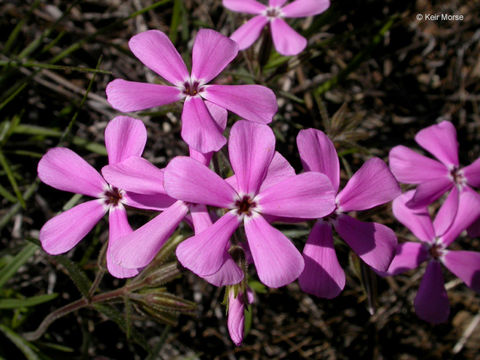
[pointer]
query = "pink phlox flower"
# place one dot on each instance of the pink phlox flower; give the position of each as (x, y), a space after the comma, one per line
(204, 115)
(63, 169)
(137, 174)
(431, 302)
(286, 40)
(236, 313)
(435, 177)
(372, 185)
(247, 197)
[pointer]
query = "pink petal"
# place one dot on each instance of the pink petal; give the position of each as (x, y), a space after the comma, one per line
(212, 52)
(127, 96)
(118, 228)
(286, 40)
(468, 212)
(318, 154)
(278, 170)
(277, 260)
(140, 247)
(236, 315)
(200, 157)
(251, 148)
(474, 229)
(155, 50)
(417, 220)
(63, 169)
(229, 274)
(245, 6)
(205, 253)
(372, 185)
(249, 32)
(410, 167)
(135, 174)
(408, 255)
(199, 129)
(124, 137)
(200, 218)
(187, 179)
(158, 202)
(323, 276)
(472, 173)
(276, 3)
(303, 8)
(465, 265)
(446, 213)
(440, 140)
(251, 102)
(431, 302)
(62, 232)
(374, 243)
(218, 113)
(430, 191)
(309, 196)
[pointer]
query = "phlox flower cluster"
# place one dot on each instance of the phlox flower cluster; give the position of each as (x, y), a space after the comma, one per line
(234, 219)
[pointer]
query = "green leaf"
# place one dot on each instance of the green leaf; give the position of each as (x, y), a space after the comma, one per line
(257, 286)
(21, 258)
(11, 178)
(78, 276)
(31, 301)
(24, 346)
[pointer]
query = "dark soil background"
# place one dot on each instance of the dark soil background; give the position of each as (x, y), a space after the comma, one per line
(372, 76)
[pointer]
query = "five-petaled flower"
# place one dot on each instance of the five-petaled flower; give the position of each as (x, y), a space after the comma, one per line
(431, 302)
(286, 40)
(434, 178)
(247, 196)
(63, 169)
(204, 115)
(372, 185)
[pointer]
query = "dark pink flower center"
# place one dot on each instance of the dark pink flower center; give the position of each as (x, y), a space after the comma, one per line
(457, 176)
(192, 88)
(112, 196)
(435, 251)
(245, 205)
(273, 12)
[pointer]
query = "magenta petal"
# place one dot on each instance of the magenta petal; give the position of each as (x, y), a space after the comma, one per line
(318, 154)
(278, 170)
(323, 276)
(277, 260)
(286, 40)
(304, 8)
(309, 196)
(118, 228)
(408, 255)
(140, 247)
(249, 32)
(188, 180)
(155, 50)
(205, 253)
(431, 302)
(472, 173)
(199, 130)
(158, 202)
(63, 169)
(245, 6)
(124, 137)
(410, 167)
(446, 213)
(251, 148)
(465, 265)
(427, 192)
(251, 102)
(236, 315)
(417, 220)
(200, 218)
(440, 140)
(62, 232)
(229, 274)
(468, 212)
(276, 3)
(200, 157)
(212, 52)
(372, 185)
(374, 243)
(135, 174)
(127, 96)
(218, 113)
